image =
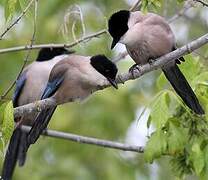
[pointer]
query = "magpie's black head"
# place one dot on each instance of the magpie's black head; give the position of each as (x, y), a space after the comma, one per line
(105, 67)
(46, 54)
(118, 25)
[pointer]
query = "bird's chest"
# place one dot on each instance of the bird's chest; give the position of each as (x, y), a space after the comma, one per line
(139, 52)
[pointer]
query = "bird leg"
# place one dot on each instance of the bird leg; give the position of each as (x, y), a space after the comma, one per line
(151, 61)
(19, 122)
(133, 68)
(120, 79)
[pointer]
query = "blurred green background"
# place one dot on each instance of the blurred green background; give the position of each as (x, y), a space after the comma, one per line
(108, 114)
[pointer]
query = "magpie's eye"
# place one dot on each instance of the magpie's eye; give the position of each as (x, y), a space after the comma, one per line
(107, 70)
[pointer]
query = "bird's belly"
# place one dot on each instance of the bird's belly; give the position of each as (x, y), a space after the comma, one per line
(69, 93)
(139, 53)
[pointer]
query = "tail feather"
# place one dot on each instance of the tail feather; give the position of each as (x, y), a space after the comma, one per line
(39, 125)
(22, 149)
(12, 154)
(182, 87)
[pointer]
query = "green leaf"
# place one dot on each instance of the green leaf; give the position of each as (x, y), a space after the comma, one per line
(10, 7)
(161, 81)
(177, 137)
(160, 109)
(180, 1)
(180, 166)
(144, 6)
(197, 158)
(7, 126)
(204, 174)
(201, 78)
(191, 68)
(156, 146)
(149, 122)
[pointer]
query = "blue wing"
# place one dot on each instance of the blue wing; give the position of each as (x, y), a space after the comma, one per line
(19, 86)
(52, 87)
(43, 118)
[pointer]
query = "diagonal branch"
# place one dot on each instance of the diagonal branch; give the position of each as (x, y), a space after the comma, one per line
(158, 63)
(136, 5)
(17, 20)
(89, 140)
(202, 2)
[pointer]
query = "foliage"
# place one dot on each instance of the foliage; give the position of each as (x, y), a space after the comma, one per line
(6, 123)
(182, 135)
(153, 3)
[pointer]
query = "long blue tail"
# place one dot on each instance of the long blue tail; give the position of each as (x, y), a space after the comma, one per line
(15, 152)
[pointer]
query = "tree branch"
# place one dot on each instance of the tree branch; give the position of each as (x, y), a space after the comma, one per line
(202, 2)
(17, 20)
(158, 63)
(88, 140)
(28, 47)
(136, 4)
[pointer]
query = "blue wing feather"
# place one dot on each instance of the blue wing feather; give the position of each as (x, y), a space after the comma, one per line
(52, 87)
(19, 86)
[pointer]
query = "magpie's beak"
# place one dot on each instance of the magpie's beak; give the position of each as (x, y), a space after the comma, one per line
(113, 83)
(115, 41)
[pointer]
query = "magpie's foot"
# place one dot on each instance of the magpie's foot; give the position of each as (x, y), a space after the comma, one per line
(133, 68)
(151, 61)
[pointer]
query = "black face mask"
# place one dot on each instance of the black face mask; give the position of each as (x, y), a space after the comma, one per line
(118, 25)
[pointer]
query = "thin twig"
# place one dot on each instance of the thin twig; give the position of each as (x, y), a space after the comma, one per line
(202, 2)
(26, 57)
(17, 20)
(23, 48)
(135, 6)
(88, 140)
(186, 7)
(156, 64)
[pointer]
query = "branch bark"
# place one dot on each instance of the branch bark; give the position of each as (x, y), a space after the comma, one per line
(88, 140)
(39, 46)
(156, 64)
(136, 5)
(202, 2)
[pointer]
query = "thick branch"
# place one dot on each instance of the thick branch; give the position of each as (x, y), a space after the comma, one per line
(23, 48)
(89, 140)
(158, 63)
